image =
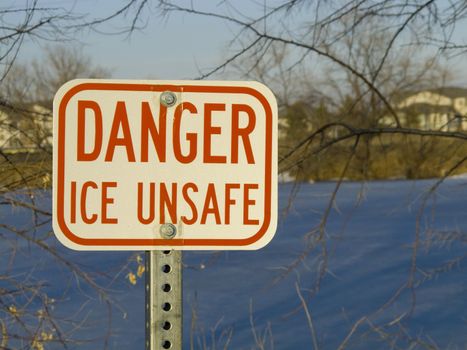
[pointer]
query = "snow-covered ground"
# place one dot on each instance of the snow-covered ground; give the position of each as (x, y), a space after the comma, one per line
(365, 259)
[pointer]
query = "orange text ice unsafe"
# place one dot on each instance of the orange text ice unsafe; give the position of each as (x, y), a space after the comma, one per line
(166, 198)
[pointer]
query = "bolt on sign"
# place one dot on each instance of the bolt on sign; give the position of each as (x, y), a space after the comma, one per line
(148, 165)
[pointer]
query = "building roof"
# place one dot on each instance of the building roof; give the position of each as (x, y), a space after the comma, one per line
(450, 91)
(427, 108)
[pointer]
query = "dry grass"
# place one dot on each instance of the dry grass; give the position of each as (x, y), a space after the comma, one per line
(25, 170)
(378, 158)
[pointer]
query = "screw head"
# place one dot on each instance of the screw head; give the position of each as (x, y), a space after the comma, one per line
(168, 231)
(168, 98)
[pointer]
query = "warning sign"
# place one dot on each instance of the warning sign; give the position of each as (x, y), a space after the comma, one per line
(144, 165)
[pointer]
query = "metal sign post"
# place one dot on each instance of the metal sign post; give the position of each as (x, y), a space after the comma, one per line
(163, 299)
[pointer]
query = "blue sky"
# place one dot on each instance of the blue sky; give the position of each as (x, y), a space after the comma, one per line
(173, 47)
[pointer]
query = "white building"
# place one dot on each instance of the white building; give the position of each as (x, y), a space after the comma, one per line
(25, 130)
(435, 109)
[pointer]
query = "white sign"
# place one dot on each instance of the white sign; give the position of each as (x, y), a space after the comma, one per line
(146, 165)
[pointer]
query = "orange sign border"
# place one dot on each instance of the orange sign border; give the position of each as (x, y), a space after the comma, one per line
(155, 242)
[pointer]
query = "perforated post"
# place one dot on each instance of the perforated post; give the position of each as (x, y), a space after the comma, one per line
(164, 300)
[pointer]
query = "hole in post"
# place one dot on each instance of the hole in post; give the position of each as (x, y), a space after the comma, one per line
(166, 306)
(166, 287)
(166, 268)
(166, 252)
(166, 344)
(166, 325)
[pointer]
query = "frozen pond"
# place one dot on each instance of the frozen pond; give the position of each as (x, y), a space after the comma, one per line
(363, 283)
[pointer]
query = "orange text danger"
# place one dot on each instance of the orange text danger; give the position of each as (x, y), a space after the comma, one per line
(153, 135)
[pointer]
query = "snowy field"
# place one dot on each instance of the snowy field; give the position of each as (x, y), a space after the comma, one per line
(358, 282)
